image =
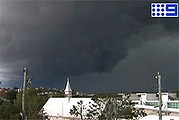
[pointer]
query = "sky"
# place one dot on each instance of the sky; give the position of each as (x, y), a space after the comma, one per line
(101, 46)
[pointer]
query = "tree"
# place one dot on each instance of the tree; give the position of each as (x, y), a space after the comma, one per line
(116, 107)
(11, 95)
(110, 107)
(34, 103)
(8, 108)
(78, 110)
(11, 109)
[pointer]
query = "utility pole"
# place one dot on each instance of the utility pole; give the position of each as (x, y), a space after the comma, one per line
(160, 95)
(25, 71)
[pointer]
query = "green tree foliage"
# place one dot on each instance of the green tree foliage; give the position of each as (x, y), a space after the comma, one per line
(11, 95)
(8, 108)
(1, 101)
(34, 103)
(78, 110)
(117, 107)
(11, 109)
(109, 107)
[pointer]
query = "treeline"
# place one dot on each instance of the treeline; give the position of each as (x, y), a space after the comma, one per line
(10, 104)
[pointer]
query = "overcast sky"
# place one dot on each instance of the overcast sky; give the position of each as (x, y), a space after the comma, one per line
(101, 46)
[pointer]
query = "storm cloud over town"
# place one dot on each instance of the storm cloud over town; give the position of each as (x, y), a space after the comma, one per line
(100, 45)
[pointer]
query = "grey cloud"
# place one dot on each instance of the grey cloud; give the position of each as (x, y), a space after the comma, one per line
(74, 38)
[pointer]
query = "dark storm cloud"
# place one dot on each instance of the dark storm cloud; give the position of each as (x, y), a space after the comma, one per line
(73, 38)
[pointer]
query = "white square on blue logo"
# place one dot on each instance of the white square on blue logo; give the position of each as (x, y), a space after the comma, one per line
(164, 9)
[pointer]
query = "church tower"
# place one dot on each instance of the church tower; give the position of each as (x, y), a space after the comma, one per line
(68, 90)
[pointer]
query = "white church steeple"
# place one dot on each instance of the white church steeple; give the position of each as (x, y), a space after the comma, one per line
(68, 90)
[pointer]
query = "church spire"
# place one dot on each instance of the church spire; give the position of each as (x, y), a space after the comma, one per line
(68, 90)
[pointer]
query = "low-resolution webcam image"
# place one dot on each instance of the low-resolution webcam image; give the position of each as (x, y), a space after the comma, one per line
(89, 60)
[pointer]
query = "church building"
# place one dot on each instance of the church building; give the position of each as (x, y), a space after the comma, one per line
(59, 108)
